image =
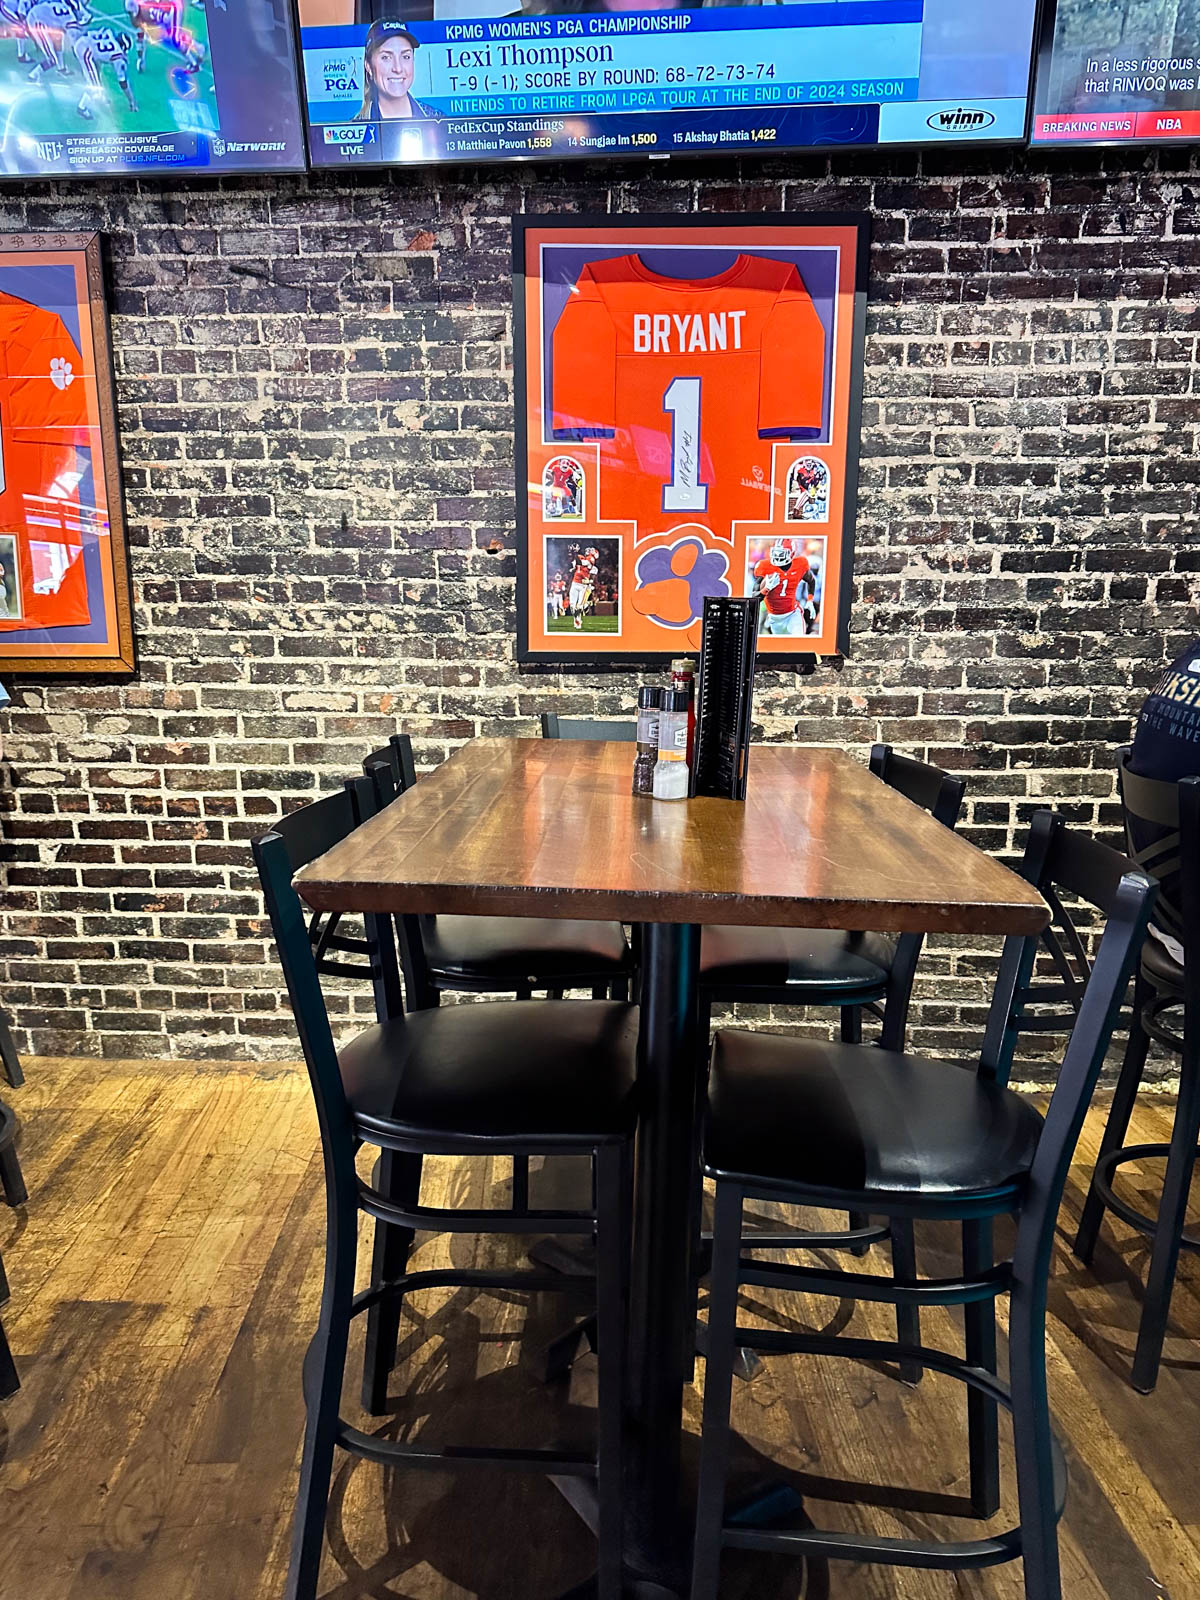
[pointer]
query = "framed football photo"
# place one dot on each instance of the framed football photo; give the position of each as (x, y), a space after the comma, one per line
(688, 401)
(65, 605)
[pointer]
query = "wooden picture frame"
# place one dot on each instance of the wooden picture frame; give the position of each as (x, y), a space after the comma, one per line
(660, 503)
(66, 596)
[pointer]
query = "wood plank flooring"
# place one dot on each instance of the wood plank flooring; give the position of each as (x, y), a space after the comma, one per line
(165, 1277)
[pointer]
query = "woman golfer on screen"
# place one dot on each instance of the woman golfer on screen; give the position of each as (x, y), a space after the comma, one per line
(388, 74)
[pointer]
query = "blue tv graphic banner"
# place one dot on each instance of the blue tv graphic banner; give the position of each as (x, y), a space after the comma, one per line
(661, 80)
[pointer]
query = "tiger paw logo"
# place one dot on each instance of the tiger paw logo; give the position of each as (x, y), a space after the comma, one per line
(673, 580)
(62, 375)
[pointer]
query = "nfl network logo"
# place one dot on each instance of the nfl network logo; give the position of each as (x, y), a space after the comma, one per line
(218, 148)
(50, 149)
(960, 119)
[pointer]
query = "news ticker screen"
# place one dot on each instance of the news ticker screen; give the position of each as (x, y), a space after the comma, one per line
(414, 81)
(92, 87)
(1111, 73)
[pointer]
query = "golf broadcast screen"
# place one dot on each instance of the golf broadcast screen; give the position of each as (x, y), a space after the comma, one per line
(94, 87)
(1117, 71)
(410, 81)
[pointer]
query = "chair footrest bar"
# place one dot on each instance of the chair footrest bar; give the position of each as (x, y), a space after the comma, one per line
(499, 1281)
(1102, 1183)
(871, 1286)
(435, 1219)
(393, 1453)
(835, 1546)
(842, 1239)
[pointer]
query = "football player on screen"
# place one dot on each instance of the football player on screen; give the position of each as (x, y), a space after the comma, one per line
(786, 585)
(95, 43)
(47, 22)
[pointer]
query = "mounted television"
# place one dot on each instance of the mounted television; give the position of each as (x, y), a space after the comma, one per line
(146, 86)
(1118, 73)
(412, 81)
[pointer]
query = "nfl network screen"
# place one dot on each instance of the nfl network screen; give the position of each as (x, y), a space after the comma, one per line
(1114, 74)
(90, 87)
(400, 81)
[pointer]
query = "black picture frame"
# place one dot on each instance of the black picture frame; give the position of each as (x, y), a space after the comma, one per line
(538, 661)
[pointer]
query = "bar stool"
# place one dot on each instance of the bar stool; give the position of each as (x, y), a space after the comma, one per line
(1169, 815)
(852, 971)
(505, 1078)
(895, 1134)
(497, 955)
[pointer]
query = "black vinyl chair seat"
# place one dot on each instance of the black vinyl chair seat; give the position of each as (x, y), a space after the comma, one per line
(810, 957)
(1160, 967)
(861, 1120)
(529, 950)
(500, 1069)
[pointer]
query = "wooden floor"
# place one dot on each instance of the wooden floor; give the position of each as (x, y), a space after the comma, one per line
(164, 1281)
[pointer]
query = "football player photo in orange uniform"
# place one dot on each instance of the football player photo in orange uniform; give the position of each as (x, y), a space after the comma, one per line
(696, 371)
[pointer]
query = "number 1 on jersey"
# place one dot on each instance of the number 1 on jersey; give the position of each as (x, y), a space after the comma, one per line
(685, 492)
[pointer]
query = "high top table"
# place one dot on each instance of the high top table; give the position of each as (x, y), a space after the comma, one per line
(548, 828)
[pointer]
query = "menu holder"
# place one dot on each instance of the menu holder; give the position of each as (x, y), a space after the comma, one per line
(728, 649)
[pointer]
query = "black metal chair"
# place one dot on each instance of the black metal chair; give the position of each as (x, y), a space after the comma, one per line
(896, 1134)
(497, 955)
(1166, 1008)
(9, 1381)
(503, 1079)
(852, 971)
(556, 727)
(823, 966)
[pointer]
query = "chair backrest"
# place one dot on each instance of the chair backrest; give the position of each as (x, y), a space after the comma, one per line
(388, 778)
(308, 833)
(556, 727)
(398, 754)
(275, 869)
(941, 794)
(921, 782)
(1064, 864)
(1162, 825)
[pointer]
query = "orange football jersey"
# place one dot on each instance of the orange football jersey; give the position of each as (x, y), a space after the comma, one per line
(685, 383)
(43, 419)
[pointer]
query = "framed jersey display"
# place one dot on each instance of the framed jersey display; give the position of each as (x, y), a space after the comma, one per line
(688, 398)
(64, 566)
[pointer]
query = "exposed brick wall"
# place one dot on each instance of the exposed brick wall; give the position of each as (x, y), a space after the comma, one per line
(315, 399)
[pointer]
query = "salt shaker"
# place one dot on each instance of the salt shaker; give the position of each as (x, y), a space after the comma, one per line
(671, 777)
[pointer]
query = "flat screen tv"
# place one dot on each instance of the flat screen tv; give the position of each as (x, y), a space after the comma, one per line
(96, 87)
(1118, 72)
(412, 81)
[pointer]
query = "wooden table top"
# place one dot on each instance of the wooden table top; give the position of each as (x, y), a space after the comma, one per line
(549, 828)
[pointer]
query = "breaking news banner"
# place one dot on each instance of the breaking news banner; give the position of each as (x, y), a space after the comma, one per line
(687, 411)
(459, 81)
(1117, 74)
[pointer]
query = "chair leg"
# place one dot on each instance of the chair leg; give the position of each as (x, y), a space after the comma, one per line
(904, 1266)
(718, 1386)
(1117, 1126)
(520, 1183)
(599, 991)
(983, 1430)
(554, 994)
(9, 1381)
(8, 1055)
(400, 1180)
(11, 1178)
(619, 990)
(1172, 1216)
(1031, 1436)
(613, 1179)
(320, 1427)
(851, 1024)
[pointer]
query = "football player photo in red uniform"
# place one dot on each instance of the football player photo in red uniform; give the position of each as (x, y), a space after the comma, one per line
(786, 583)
